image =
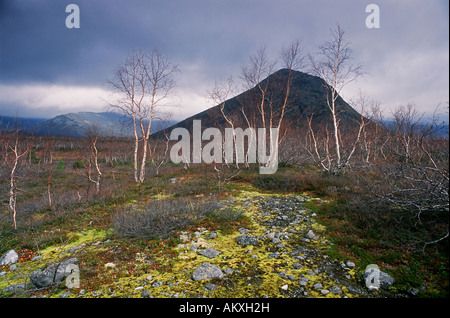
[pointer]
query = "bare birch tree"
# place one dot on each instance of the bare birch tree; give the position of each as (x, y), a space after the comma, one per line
(333, 64)
(160, 72)
(259, 68)
(48, 161)
(130, 83)
(92, 158)
(143, 82)
(12, 156)
(219, 95)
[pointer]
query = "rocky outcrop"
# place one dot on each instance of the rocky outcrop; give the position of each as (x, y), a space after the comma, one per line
(207, 271)
(375, 278)
(247, 240)
(54, 274)
(9, 258)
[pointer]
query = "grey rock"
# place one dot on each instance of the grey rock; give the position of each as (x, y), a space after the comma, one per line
(53, 274)
(243, 230)
(273, 255)
(318, 286)
(157, 284)
(246, 240)
(194, 247)
(350, 264)
(297, 265)
(210, 252)
(36, 258)
(276, 240)
(9, 257)
(413, 291)
(64, 295)
(324, 291)
(310, 235)
(336, 290)
(207, 271)
(212, 236)
(17, 287)
(73, 249)
(228, 271)
(145, 293)
(210, 286)
(354, 290)
(385, 279)
(172, 180)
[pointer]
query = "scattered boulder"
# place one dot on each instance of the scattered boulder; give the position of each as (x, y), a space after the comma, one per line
(246, 240)
(157, 284)
(276, 240)
(53, 274)
(207, 271)
(385, 280)
(210, 252)
(172, 180)
(297, 265)
(145, 293)
(194, 247)
(310, 235)
(9, 258)
(243, 230)
(17, 288)
(350, 264)
(336, 290)
(210, 286)
(318, 286)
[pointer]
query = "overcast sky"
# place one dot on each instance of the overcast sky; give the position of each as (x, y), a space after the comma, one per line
(47, 69)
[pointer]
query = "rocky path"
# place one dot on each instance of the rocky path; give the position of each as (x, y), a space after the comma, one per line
(282, 253)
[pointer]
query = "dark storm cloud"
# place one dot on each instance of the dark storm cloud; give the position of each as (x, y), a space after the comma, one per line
(43, 64)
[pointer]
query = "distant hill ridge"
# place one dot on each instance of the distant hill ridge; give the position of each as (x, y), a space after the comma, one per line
(307, 96)
(108, 124)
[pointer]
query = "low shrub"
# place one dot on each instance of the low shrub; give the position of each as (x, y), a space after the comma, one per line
(160, 218)
(277, 182)
(60, 165)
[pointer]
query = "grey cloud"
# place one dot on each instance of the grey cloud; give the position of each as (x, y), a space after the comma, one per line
(213, 39)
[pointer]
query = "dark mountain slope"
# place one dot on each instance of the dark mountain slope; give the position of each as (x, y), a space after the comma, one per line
(307, 96)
